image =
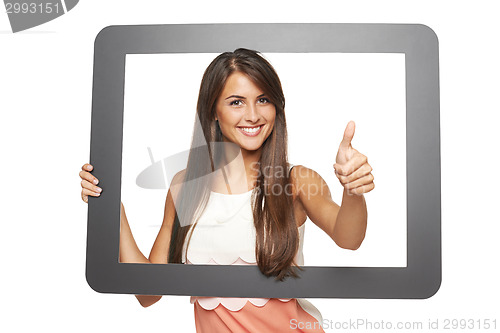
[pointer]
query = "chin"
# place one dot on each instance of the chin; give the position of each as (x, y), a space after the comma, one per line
(251, 147)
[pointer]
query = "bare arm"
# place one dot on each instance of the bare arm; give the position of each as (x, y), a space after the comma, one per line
(159, 251)
(350, 225)
(345, 224)
(129, 251)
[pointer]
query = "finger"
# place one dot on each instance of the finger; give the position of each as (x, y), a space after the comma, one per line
(352, 165)
(85, 198)
(363, 189)
(348, 135)
(86, 184)
(88, 192)
(365, 180)
(87, 167)
(363, 170)
(89, 177)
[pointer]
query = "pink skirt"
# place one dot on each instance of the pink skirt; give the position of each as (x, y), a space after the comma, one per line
(274, 316)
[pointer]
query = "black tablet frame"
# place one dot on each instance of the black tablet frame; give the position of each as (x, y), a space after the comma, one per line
(422, 276)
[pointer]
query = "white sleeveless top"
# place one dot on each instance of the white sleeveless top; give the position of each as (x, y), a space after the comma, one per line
(225, 235)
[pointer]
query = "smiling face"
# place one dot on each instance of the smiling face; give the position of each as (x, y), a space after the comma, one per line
(245, 114)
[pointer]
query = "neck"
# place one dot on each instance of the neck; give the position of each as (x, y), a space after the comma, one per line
(241, 172)
(251, 159)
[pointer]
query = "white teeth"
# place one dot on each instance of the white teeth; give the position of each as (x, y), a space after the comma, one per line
(251, 130)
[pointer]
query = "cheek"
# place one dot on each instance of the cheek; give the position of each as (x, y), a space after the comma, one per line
(271, 115)
(224, 117)
(226, 121)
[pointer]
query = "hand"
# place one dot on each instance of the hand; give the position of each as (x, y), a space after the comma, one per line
(351, 167)
(89, 183)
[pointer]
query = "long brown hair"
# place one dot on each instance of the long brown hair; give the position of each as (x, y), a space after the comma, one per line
(277, 239)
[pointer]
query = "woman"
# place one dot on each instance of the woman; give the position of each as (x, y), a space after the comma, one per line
(248, 205)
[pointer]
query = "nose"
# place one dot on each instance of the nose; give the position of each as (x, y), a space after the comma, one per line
(252, 114)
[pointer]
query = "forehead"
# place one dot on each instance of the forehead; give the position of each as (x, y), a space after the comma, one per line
(240, 83)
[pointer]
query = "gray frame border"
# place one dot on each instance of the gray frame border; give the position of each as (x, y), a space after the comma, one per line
(422, 276)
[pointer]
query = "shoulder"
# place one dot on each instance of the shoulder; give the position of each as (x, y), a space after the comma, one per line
(178, 177)
(176, 184)
(301, 175)
(305, 180)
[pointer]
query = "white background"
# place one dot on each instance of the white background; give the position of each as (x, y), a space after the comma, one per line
(45, 101)
(323, 92)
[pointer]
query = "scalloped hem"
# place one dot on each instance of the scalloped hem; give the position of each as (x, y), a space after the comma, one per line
(231, 303)
(212, 261)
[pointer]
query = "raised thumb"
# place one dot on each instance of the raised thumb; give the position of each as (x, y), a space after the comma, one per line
(348, 135)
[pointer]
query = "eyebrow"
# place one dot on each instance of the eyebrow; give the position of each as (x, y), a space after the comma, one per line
(241, 97)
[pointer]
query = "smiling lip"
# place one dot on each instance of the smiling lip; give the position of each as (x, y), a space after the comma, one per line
(250, 133)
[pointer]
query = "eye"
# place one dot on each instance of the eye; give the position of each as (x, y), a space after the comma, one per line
(236, 102)
(263, 100)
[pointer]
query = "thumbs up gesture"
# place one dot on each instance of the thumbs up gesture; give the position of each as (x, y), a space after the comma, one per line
(351, 167)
